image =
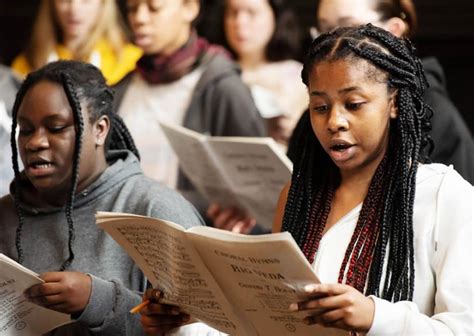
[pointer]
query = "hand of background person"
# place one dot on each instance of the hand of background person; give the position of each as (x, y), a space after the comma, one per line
(65, 292)
(281, 128)
(337, 306)
(230, 219)
(158, 318)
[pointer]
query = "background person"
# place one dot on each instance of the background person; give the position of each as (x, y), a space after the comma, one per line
(85, 30)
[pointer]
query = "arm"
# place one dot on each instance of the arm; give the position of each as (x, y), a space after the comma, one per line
(280, 210)
(101, 305)
(452, 265)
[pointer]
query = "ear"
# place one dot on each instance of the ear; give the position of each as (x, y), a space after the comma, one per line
(393, 107)
(101, 129)
(396, 26)
(191, 10)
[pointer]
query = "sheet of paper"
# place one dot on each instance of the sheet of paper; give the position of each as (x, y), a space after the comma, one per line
(18, 316)
(198, 165)
(173, 266)
(243, 172)
(262, 275)
(257, 172)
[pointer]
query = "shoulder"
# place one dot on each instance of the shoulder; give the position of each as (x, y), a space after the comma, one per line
(219, 70)
(148, 197)
(438, 175)
(443, 198)
(116, 66)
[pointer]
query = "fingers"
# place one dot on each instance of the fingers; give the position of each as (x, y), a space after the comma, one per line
(244, 226)
(226, 219)
(152, 294)
(161, 324)
(41, 290)
(68, 292)
(160, 309)
(325, 303)
(213, 210)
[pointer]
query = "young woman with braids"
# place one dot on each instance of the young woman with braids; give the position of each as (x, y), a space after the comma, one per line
(389, 237)
(79, 158)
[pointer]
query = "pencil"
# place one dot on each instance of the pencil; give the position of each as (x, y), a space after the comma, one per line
(137, 308)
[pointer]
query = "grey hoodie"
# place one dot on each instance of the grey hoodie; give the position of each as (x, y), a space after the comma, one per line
(117, 282)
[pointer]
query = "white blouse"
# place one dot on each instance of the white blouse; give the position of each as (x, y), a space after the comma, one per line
(443, 232)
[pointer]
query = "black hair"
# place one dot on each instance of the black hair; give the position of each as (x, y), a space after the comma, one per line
(386, 217)
(82, 83)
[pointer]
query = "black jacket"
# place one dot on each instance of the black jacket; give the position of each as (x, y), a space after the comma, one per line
(452, 139)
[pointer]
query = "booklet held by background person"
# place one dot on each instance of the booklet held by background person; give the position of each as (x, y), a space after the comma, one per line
(238, 284)
(18, 316)
(242, 172)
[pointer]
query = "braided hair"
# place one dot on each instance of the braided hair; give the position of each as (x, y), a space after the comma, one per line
(385, 223)
(82, 83)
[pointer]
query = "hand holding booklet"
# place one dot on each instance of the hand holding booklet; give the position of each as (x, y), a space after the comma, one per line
(238, 284)
(242, 172)
(18, 316)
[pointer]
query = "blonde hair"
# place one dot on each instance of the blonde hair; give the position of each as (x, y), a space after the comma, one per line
(47, 34)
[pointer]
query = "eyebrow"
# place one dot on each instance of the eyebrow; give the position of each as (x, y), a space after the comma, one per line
(345, 90)
(48, 118)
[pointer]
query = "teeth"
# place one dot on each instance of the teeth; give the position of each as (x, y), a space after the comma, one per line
(42, 165)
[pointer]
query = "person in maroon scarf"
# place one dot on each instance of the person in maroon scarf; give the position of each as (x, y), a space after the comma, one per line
(182, 80)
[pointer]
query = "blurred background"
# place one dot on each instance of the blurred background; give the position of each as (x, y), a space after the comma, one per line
(446, 30)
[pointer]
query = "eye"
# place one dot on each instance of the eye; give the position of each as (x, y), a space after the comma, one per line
(56, 129)
(354, 106)
(24, 131)
(320, 108)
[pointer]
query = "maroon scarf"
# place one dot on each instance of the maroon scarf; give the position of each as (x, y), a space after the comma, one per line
(161, 69)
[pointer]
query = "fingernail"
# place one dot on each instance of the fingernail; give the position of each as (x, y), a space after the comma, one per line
(175, 311)
(310, 288)
(294, 307)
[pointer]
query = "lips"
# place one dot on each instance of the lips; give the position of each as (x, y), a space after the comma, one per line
(39, 167)
(341, 150)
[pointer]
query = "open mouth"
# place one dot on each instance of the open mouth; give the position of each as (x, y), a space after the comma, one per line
(341, 147)
(40, 165)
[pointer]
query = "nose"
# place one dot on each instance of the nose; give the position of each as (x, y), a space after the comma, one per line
(141, 14)
(37, 141)
(337, 120)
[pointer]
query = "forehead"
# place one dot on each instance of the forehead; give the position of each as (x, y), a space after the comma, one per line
(251, 4)
(361, 11)
(344, 73)
(44, 97)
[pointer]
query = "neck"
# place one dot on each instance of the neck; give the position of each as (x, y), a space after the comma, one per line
(252, 61)
(72, 44)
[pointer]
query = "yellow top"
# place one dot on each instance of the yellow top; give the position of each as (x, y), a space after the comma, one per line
(113, 68)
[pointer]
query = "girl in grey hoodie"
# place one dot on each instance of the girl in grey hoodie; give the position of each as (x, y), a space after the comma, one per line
(79, 158)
